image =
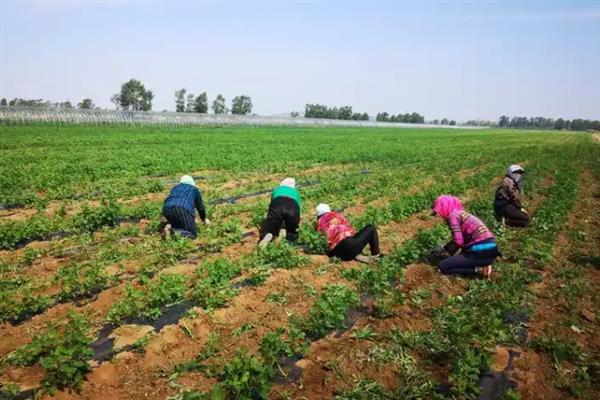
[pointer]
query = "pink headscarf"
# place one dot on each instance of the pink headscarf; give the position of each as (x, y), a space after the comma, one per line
(445, 204)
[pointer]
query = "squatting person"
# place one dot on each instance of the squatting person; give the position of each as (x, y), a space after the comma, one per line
(477, 244)
(180, 208)
(284, 210)
(342, 239)
(507, 202)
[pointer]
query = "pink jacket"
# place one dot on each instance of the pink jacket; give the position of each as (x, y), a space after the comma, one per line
(335, 227)
(466, 229)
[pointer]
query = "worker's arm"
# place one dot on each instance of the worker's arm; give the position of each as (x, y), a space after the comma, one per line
(200, 207)
(513, 192)
(454, 223)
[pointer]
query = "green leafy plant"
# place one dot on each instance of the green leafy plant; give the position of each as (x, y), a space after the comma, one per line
(329, 310)
(63, 350)
(245, 378)
(212, 288)
(149, 300)
(77, 280)
(282, 255)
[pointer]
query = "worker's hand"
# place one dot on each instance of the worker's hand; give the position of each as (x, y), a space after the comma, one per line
(524, 210)
(206, 221)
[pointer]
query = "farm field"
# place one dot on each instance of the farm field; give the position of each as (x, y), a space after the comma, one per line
(94, 305)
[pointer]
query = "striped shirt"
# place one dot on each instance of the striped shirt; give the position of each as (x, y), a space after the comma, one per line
(187, 197)
(467, 229)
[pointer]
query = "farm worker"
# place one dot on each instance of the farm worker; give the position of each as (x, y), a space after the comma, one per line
(284, 210)
(507, 203)
(342, 239)
(180, 208)
(476, 242)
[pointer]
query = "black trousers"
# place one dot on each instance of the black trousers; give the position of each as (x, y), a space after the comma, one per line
(350, 247)
(181, 219)
(465, 264)
(512, 215)
(285, 212)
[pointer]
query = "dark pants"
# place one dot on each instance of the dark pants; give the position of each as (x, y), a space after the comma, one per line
(512, 215)
(181, 219)
(350, 247)
(285, 212)
(465, 263)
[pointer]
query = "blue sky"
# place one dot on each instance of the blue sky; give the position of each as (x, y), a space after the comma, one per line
(462, 60)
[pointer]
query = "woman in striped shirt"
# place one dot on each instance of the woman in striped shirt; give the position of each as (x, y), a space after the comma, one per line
(477, 244)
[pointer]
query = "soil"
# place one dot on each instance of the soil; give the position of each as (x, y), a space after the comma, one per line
(535, 371)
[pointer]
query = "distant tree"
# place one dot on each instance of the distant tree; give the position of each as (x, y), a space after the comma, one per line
(218, 105)
(294, 114)
(559, 124)
(241, 105)
(190, 103)
(382, 117)
(86, 104)
(116, 101)
(345, 112)
(435, 122)
(445, 121)
(134, 96)
(65, 105)
(365, 117)
(3, 102)
(19, 102)
(452, 122)
(503, 121)
(416, 118)
(180, 100)
(201, 103)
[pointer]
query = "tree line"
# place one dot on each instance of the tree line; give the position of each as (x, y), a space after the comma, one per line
(548, 123)
(240, 105)
(410, 118)
(19, 102)
(323, 111)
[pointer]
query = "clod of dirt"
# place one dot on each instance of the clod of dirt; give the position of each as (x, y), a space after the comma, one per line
(588, 315)
(127, 335)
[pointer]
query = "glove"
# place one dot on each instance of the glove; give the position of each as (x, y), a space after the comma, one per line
(206, 221)
(451, 248)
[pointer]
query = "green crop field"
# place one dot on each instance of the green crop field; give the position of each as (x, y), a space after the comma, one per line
(95, 305)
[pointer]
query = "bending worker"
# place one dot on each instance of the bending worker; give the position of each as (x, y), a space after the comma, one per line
(469, 235)
(180, 208)
(342, 239)
(507, 203)
(284, 210)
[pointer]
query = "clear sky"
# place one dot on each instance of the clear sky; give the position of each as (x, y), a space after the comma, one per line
(462, 60)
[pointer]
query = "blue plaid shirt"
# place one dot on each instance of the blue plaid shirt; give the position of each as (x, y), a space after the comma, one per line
(186, 196)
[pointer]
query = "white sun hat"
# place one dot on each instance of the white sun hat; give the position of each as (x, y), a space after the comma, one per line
(322, 209)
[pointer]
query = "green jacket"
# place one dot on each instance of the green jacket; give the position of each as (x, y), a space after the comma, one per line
(285, 191)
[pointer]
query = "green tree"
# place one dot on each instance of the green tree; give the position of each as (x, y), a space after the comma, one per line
(3, 102)
(134, 97)
(86, 104)
(218, 105)
(559, 124)
(201, 103)
(190, 103)
(180, 100)
(241, 105)
(503, 121)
